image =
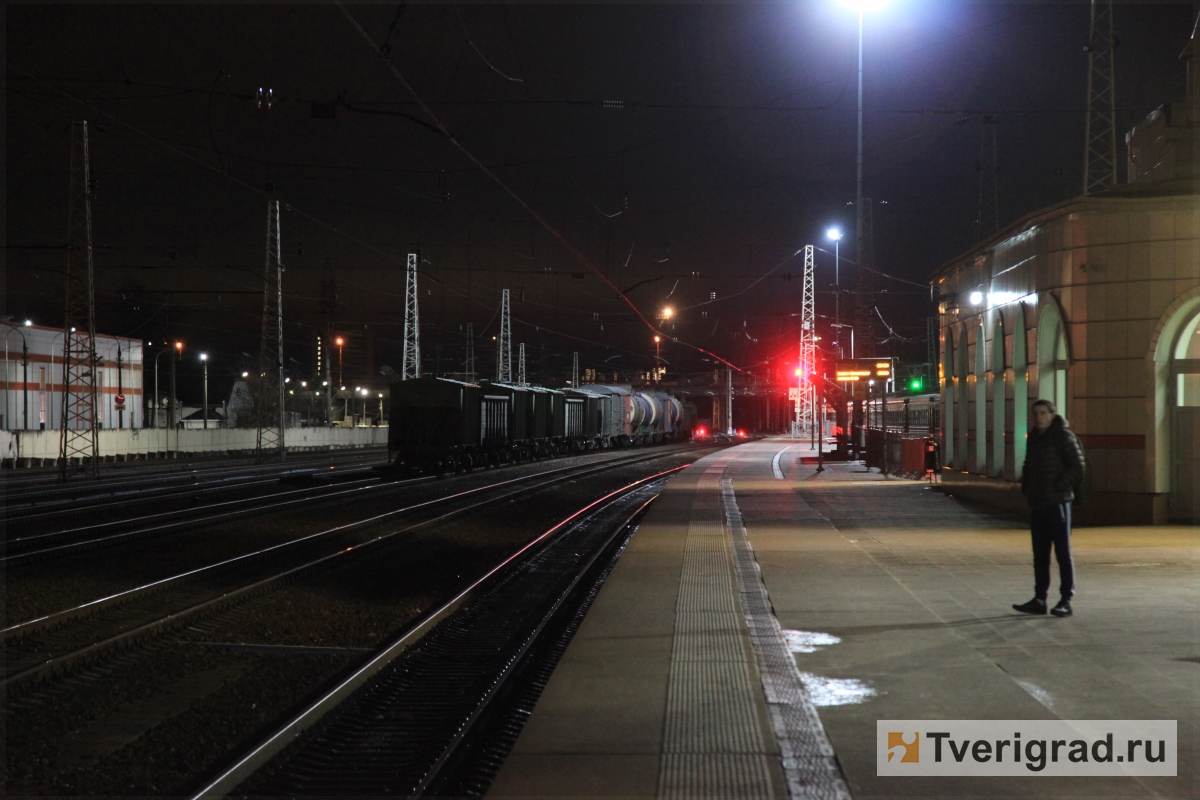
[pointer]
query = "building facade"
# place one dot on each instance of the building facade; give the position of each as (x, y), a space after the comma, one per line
(33, 379)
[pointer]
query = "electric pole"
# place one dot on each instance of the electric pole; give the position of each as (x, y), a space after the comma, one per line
(521, 364)
(471, 352)
(504, 344)
(808, 344)
(271, 415)
(729, 400)
(78, 452)
(575, 371)
(864, 306)
(987, 217)
(1100, 133)
(412, 327)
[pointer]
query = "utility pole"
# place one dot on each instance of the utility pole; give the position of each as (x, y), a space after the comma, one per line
(521, 364)
(271, 416)
(1100, 133)
(412, 327)
(729, 400)
(987, 217)
(120, 390)
(864, 306)
(328, 314)
(471, 377)
(78, 452)
(504, 345)
(808, 344)
(575, 371)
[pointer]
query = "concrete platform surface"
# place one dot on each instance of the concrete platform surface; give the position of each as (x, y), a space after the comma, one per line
(765, 616)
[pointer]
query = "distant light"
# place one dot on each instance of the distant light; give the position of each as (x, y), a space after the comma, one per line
(245, 374)
(178, 345)
(304, 383)
(381, 394)
(364, 391)
(356, 388)
(657, 338)
(668, 312)
(28, 322)
(871, 382)
(324, 383)
(976, 298)
(340, 341)
(799, 372)
(287, 380)
(833, 235)
(204, 356)
(72, 329)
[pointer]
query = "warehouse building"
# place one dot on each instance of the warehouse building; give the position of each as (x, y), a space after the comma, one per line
(33, 379)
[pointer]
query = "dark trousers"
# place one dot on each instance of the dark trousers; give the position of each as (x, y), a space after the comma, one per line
(1051, 527)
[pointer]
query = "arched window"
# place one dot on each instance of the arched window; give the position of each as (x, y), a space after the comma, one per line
(1052, 357)
(1185, 423)
(1020, 403)
(997, 376)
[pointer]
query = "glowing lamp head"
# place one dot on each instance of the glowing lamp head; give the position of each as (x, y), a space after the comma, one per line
(657, 339)
(833, 235)
(28, 322)
(204, 356)
(340, 341)
(976, 298)
(245, 374)
(865, 6)
(668, 312)
(178, 345)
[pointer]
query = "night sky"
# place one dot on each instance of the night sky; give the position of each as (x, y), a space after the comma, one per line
(683, 150)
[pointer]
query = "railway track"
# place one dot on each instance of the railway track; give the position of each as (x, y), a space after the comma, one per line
(420, 715)
(152, 695)
(55, 643)
(21, 494)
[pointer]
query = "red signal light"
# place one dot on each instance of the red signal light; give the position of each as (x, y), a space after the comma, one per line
(700, 432)
(742, 434)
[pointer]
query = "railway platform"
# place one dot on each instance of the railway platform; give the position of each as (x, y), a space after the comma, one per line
(765, 616)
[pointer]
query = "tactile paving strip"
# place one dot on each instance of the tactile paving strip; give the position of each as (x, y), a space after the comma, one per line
(713, 740)
(808, 760)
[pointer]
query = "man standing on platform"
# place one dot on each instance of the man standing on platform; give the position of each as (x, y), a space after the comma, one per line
(1052, 475)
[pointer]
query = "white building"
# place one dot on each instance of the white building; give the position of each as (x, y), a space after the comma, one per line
(33, 379)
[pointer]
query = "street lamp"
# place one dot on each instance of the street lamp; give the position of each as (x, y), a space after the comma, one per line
(862, 7)
(835, 235)
(204, 361)
(341, 378)
(173, 410)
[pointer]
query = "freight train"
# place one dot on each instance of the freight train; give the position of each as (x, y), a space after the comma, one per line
(438, 425)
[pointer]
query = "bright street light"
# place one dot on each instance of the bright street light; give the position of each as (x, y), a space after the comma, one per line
(976, 298)
(833, 234)
(28, 322)
(865, 6)
(204, 361)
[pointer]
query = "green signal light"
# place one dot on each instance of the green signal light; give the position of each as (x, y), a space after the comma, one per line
(915, 384)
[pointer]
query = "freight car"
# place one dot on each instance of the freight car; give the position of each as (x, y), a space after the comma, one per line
(438, 425)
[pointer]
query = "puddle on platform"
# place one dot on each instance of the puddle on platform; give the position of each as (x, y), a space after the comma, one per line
(808, 641)
(836, 691)
(1038, 693)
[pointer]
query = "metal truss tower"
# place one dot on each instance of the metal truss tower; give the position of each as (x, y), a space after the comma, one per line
(471, 352)
(521, 364)
(575, 372)
(864, 305)
(78, 452)
(328, 317)
(412, 325)
(987, 218)
(504, 344)
(1100, 134)
(271, 418)
(808, 345)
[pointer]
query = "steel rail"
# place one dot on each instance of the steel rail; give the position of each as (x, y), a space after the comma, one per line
(275, 743)
(59, 662)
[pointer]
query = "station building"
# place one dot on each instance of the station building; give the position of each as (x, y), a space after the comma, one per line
(33, 379)
(1094, 304)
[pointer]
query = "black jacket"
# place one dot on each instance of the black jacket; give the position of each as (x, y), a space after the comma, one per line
(1054, 466)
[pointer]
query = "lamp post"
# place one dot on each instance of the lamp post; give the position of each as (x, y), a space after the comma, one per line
(172, 411)
(835, 236)
(204, 361)
(341, 376)
(25, 376)
(862, 7)
(657, 355)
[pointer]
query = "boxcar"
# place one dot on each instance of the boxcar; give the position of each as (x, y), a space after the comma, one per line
(435, 424)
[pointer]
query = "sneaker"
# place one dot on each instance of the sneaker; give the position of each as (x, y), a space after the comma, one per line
(1063, 609)
(1034, 606)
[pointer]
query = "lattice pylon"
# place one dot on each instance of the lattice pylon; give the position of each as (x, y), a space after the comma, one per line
(271, 417)
(471, 352)
(412, 325)
(504, 344)
(1100, 133)
(521, 364)
(808, 343)
(575, 371)
(864, 294)
(78, 451)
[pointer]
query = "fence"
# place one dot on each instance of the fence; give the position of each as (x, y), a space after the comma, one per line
(40, 448)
